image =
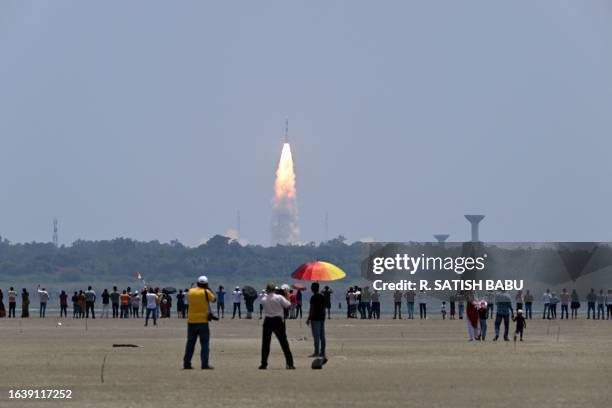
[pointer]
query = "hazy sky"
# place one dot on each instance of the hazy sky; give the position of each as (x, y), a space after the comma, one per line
(162, 119)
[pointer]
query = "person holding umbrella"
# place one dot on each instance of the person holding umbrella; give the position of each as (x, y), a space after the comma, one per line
(316, 320)
(274, 305)
(250, 295)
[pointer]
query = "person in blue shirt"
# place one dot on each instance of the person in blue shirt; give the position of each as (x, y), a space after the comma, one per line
(221, 302)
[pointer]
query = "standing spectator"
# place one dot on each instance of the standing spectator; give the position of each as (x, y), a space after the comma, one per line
(186, 307)
(504, 310)
(249, 302)
(422, 298)
(143, 301)
(43, 296)
(90, 300)
(591, 300)
(273, 305)
(165, 304)
(565, 300)
(2, 309)
(115, 297)
(197, 322)
(316, 320)
(180, 304)
(159, 299)
(76, 313)
(546, 301)
(601, 305)
(125, 304)
(298, 303)
(528, 305)
(609, 304)
(352, 301)
(490, 299)
(360, 305)
(105, 303)
(397, 304)
(452, 299)
(151, 307)
(460, 298)
(376, 305)
(12, 302)
(483, 315)
(443, 310)
(25, 304)
(519, 299)
(348, 306)
(236, 294)
(220, 302)
(82, 304)
(472, 317)
(327, 294)
(136, 301)
(63, 304)
(410, 295)
(575, 304)
(552, 308)
(366, 299)
(292, 300)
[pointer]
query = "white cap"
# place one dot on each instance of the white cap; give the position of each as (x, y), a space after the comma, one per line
(203, 279)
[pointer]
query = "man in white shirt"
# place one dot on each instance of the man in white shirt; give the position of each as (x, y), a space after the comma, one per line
(274, 306)
(546, 300)
(151, 307)
(236, 299)
(90, 299)
(43, 296)
(12, 301)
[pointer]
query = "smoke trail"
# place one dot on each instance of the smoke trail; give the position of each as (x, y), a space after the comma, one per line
(285, 228)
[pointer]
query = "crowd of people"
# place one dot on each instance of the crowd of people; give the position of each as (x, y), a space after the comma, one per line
(361, 303)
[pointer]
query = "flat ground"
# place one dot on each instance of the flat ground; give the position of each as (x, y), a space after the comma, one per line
(372, 363)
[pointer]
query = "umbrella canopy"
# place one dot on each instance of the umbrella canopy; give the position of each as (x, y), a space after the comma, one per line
(169, 290)
(249, 291)
(297, 286)
(318, 271)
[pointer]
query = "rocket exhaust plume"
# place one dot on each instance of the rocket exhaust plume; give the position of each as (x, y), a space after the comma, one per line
(285, 228)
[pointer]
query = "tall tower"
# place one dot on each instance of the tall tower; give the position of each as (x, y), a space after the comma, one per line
(474, 220)
(55, 236)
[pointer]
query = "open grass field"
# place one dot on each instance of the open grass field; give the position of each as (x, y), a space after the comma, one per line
(385, 363)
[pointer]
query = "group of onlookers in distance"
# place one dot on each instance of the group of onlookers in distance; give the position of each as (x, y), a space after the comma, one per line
(361, 303)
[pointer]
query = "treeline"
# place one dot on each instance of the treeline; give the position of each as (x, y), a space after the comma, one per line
(118, 261)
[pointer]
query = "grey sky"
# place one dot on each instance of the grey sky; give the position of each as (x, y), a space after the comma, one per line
(159, 120)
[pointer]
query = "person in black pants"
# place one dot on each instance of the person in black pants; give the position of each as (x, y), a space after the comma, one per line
(114, 296)
(236, 294)
(12, 302)
(273, 306)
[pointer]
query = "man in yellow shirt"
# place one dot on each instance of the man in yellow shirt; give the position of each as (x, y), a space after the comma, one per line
(197, 322)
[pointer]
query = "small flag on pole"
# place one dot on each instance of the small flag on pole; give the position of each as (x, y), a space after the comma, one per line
(138, 276)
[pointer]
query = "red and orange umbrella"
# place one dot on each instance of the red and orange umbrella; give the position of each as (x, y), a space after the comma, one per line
(318, 271)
